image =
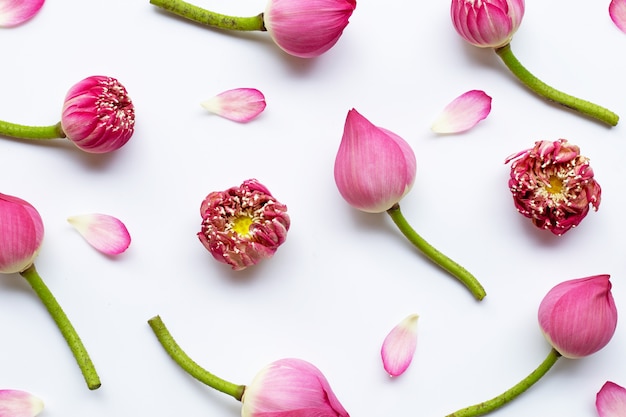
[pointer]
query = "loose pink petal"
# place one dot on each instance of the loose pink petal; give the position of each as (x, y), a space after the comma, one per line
(16, 12)
(617, 11)
(105, 233)
(239, 104)
(15, 403)
(399, 346)
(611, 400)
(463, 113)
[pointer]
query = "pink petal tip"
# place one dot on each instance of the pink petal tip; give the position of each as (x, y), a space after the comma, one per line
(239, 104)
(463, 113)
(611, 400)
(617, 11)
(16, 12)
(105, 233)
(15, 403)
(399, 346)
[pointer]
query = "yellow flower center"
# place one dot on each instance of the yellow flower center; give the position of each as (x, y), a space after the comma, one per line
(241, 225)
(556, 185)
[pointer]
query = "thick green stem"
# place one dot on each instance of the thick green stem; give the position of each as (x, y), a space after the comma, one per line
(67, 330)
(497, 402)
(31, 132)
(434, 255)
(191, 367)
(585, 107)
(206, 17)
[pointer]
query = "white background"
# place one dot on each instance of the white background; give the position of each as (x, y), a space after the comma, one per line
(343, 278)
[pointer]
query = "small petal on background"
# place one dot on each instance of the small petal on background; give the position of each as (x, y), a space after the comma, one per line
(617, 11)
(105, 233)
(16, 12)
(15, 403)
(611, 400)
(239, 104)
(463, 113)
(399, 346)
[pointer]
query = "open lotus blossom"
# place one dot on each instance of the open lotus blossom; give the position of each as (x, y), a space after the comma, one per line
(16, 12)
(286, 387)
(243, 225)
(399, 346)
(617, 11)
(611, 400)
(553, 185)
(16, 403)
(463, 113)
(301, 28)
(104, 232)
(239, 104)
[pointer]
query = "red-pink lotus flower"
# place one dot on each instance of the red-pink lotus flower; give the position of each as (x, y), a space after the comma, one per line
(98, 115)
(553, 185)
(21, 234)
(307, 28)
(399, 346)
(16, 12)
(611, 400)
(578, 317)
(243, 225)
(617, 12)
(239, 104)
(374, 167)
(290, 387)
(104, 232)
(487, 23)
(16, 403)
(463, 113)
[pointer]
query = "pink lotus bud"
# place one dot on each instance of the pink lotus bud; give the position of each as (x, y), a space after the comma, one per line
(290, 387)
(617, 12)
(487, 23)
(399, 346)
(243, 225)
(98, 115)
(578, 317)
(611, 400)
(374, 167)
(306, 28)
(15, 403)
(21, 234)
(16, 12)
(553, 185)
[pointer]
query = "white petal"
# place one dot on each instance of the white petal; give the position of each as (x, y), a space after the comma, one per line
(399, 346)
(463, 113)
(617, 11)
(15, 403)
(15, 12)
(105, 233)
(611, 400)
(239, 104)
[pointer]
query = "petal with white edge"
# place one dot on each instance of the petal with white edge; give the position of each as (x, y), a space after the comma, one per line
(239, 104)
(617, 11)
(105, 233)
(463, 113)
(15, 403)
(611, 400)
(16, 12)
(399, 346)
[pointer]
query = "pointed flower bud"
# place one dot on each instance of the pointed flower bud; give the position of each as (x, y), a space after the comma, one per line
(553, 185)
(579, 317)
(611, 400)
(487, 23)
(243, 225)
(21, 234)
(617, 12)
(239, 104)
(104, 232)
(463, 113)
(16, 12)
(15, 403)
(399, 346)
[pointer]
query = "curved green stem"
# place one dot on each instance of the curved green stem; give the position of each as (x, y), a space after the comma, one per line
(67, 330)
(206, 17)
(512, 393)
(191, 367)
(585, 107)
(31, 132)
(434, 255)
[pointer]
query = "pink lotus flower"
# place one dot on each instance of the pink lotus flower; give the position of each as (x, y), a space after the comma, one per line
(239, 104)
(578, 317)
(463, 113)
(104, 232)
(553, 185)
(617, 12)
(290, 387)
(16, 12)
(611, 400)
(98, 115)
(487, 23)
(399, 346)
(243, 225)
(21, 234)
(306, 28)
(15, 403)
(374, 167)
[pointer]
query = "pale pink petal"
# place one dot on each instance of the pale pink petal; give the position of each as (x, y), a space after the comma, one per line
(611, 400)
(239, 104)
(399, 346)
(463, 113)
(105, 233)
(15, 403)
(617, 11)
(15, 12)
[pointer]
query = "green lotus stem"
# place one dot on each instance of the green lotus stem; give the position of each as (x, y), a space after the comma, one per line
(191, 367)
(512, 393)
(206, 17)
(434, 255)
(583, 106)
(31, 132)
(67, 330)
